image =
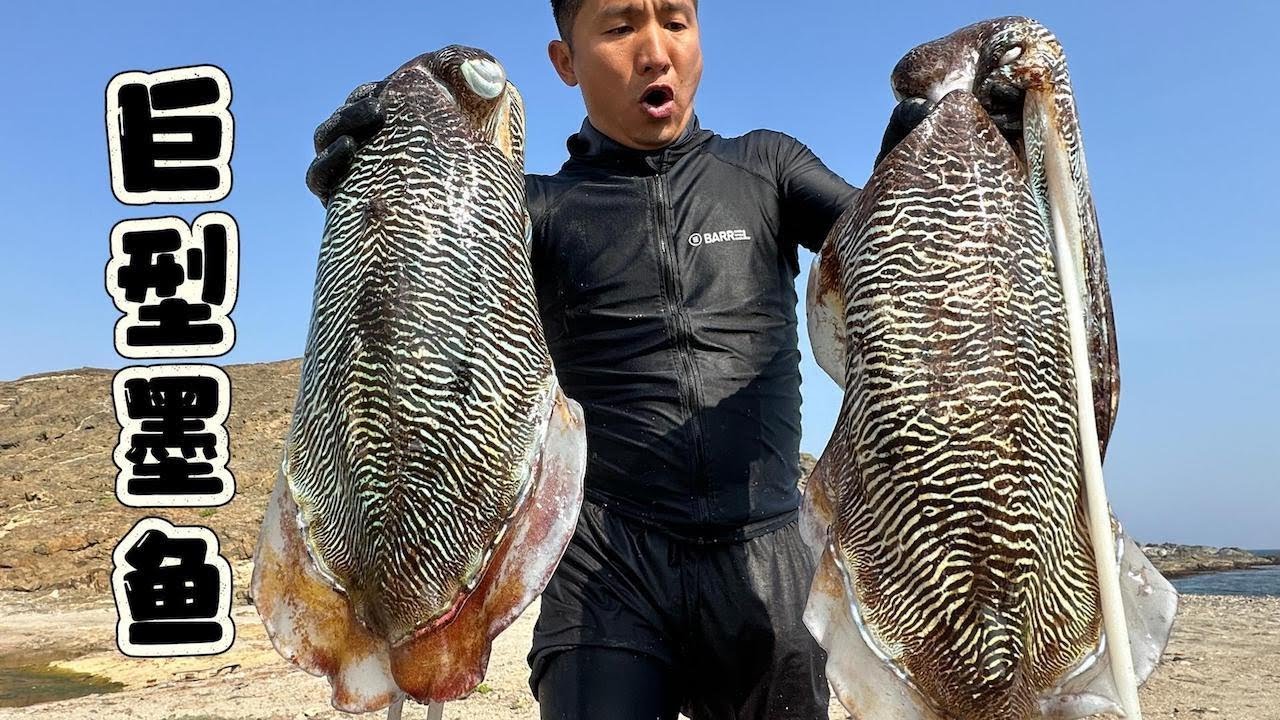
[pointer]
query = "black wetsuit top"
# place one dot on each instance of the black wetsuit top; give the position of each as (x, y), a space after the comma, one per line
(666, 283)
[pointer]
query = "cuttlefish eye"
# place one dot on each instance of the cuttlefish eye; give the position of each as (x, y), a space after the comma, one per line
(1010, 55)
(486, 78)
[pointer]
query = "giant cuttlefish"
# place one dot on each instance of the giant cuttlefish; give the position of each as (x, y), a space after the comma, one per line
(433, 469)
(958, 576)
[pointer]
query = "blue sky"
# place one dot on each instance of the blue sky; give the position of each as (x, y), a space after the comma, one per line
(1177, 103)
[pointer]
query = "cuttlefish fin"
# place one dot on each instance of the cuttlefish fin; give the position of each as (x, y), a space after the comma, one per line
(864, 680)
(824, 307)
(309, 621)
(817, 507)
(447, 662)
(1150, 603)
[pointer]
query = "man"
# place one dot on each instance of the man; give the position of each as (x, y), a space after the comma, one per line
(664, 258)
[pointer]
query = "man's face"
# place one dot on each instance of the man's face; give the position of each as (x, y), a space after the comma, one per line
(638, 63)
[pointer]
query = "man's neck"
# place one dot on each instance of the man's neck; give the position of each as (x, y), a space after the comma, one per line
(684, 131)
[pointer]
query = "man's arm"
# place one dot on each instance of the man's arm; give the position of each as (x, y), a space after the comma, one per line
(813, 196)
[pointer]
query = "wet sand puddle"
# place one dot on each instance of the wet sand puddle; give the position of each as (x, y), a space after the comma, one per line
(29, 679)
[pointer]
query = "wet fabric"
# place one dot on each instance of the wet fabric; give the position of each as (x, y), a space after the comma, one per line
(666, 284)
(599, 682)
(635, 618)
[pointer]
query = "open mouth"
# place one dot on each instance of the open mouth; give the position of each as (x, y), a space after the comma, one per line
(658, 101)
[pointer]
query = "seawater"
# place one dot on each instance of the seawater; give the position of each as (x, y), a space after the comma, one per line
(1263, 580)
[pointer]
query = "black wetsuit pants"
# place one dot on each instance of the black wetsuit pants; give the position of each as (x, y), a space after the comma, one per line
(638, 625)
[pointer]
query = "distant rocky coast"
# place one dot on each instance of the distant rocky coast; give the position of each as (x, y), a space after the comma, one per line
(1177, 560)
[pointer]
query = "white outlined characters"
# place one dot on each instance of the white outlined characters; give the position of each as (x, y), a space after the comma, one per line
(172, 591)
(176, 285)
(169, 140)
(169, 135)
(173, 449)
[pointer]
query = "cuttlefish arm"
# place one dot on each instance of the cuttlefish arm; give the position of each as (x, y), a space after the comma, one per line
(312, 623)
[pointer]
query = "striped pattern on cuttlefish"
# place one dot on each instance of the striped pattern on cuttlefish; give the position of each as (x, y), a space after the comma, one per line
(433, 469)
(957, 571)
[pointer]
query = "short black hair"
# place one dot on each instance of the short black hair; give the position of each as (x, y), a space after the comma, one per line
(566, 11)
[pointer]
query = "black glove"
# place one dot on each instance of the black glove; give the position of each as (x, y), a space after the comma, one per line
(338, 138)
(906, 116)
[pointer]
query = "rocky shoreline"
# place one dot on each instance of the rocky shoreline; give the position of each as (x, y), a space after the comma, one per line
(1174, 560)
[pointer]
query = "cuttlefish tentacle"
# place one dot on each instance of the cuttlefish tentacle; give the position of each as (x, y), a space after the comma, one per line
(1064, 218)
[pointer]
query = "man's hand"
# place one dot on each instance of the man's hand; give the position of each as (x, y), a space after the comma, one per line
(338, 138)
(906, 116)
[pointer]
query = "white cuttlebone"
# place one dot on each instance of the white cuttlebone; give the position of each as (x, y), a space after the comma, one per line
(1066, 239)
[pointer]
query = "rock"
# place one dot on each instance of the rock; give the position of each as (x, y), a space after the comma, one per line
(21, 580)
(57, 489)
(1173, 560)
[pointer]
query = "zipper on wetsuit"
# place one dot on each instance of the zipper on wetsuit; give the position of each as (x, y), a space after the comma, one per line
(681, 331)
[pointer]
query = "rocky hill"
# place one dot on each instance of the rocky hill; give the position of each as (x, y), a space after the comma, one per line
(59, 518)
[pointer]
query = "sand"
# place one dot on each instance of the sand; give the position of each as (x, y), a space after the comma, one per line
(1223, 662)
